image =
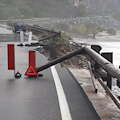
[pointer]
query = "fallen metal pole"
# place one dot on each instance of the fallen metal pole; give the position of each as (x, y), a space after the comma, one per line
(61, 59)
(105, 64)
(45, 38)
(40, 44)
(92, 77)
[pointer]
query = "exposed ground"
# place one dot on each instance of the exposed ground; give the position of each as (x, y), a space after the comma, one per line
(78, 61)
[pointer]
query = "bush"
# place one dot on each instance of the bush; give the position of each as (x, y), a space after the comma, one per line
(45, 34)
(77, 29)
(111, 31)
(60, 40)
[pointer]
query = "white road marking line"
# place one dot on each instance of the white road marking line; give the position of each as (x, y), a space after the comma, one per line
(64, 109)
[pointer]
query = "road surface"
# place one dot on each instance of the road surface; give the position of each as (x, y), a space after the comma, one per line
(55, 96)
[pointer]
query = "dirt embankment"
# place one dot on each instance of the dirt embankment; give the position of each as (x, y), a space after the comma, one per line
(59, 50)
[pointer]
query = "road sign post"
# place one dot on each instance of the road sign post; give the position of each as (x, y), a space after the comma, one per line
(31, 70)
(11, 57)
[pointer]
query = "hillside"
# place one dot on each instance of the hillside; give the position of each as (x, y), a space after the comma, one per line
(57, 8)
(39, 8)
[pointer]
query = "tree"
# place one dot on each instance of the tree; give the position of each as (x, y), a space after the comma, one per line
(94, 29)
(91, 28)
(60, 40)
(88, 26)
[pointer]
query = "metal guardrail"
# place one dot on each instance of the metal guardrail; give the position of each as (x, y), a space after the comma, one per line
(40, 29)
(36, 29)
(80, 51)
(110, 71)
(105, 64)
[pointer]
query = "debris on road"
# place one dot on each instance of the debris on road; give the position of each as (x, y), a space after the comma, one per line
(79, 61)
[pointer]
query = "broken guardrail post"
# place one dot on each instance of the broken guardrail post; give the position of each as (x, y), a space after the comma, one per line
(45, 38)
(80, 51)
(92, 77)
(96, 48)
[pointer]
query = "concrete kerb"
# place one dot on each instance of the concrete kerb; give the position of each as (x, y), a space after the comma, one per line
(103, 104)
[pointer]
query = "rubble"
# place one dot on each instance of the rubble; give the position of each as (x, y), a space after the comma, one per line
(78, 61)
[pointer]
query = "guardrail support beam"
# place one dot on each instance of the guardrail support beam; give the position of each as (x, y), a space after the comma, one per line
(61, 59)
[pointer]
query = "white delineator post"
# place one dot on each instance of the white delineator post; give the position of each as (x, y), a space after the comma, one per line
(30, 38)
(21, 37)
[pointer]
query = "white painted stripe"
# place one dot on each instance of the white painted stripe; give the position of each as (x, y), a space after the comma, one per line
(64, 109)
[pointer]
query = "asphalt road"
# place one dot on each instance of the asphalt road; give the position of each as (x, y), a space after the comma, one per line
(40, 98)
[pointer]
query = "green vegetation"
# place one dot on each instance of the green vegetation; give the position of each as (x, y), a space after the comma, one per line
(100, 29)
(111, 31)
(60, 40)
(45, 34)
(39, 8)
(77, 29)
(91, 28)
(81, 29)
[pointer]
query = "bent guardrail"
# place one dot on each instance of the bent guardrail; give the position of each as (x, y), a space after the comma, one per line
(109, 68)
(105, 67)
(105, 64)
(110, 71)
